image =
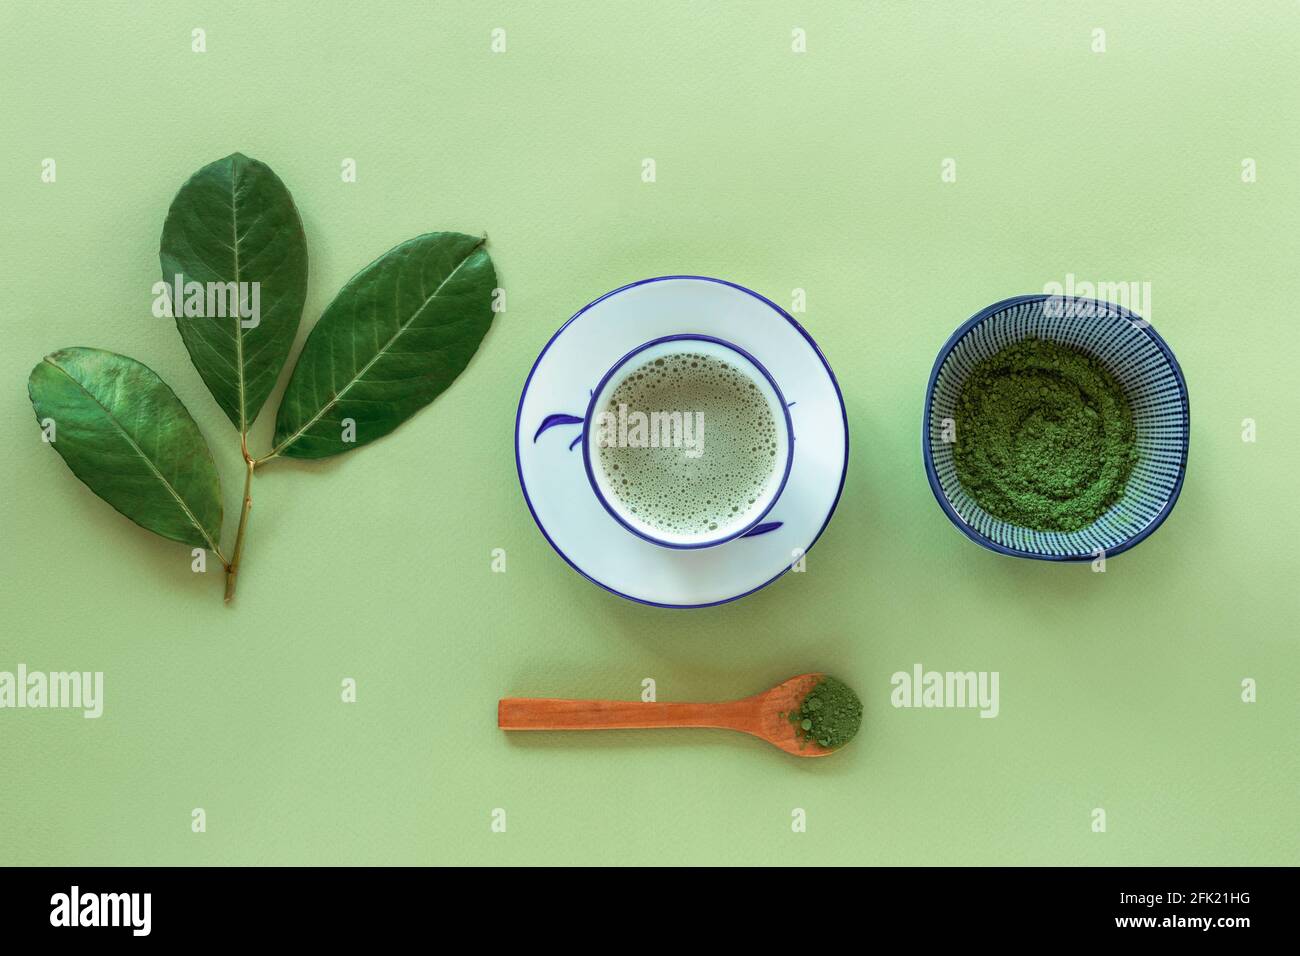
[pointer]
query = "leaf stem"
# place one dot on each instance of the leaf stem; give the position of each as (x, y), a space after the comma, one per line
(232, 569)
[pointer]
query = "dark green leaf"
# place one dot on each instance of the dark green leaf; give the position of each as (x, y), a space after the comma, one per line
(234, 221)
(128, 437)
(392, 340)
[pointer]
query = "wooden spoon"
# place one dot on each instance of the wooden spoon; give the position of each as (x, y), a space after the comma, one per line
(765, 715)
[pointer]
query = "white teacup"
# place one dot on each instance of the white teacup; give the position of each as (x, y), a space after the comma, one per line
(596, 429)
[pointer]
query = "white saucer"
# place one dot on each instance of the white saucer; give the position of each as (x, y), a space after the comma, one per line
(549, 425)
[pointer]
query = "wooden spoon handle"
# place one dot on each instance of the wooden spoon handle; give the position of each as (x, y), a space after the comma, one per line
(549, 713)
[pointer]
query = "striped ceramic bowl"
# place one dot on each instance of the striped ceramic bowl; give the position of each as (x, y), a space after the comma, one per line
(1130, 350)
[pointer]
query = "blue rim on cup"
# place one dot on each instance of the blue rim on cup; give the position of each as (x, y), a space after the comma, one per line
(775, 398)
(1138, 358)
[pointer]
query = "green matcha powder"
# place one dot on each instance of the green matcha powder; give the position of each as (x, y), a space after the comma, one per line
(1045, 437)
(829, 716)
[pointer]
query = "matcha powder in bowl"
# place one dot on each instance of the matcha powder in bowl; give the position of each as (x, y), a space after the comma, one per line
(1045, 436)
(1056, 428)
(829, 716)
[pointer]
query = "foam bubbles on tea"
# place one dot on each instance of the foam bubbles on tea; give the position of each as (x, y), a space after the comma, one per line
(665, 474)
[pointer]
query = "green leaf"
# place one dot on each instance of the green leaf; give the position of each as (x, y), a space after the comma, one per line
(392, 340)
(234, 221)
(128, 437)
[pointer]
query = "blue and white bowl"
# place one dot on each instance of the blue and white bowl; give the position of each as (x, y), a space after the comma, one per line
(1143, 365)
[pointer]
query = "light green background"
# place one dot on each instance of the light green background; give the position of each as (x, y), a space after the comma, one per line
(818, 171)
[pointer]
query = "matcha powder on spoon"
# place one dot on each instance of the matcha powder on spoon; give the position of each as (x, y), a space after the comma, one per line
(1045, 437)
(829, 716)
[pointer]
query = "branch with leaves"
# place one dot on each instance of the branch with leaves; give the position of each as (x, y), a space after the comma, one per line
(394, 338)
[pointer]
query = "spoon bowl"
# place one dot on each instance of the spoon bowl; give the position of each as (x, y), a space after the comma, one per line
(765, 715)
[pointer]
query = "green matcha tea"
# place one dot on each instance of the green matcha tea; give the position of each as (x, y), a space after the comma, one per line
(1044, 436)
(690, 445)
(828, 716)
